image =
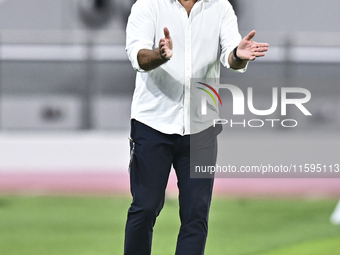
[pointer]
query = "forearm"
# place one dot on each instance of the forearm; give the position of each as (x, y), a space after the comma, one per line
(235, 63)
(149, 59)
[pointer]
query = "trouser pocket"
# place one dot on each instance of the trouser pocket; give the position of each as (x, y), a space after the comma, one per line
(132, 151)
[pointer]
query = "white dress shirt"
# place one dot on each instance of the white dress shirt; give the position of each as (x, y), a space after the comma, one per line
(201, 41)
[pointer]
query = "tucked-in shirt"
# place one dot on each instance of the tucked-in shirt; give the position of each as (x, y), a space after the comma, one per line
(201, 41)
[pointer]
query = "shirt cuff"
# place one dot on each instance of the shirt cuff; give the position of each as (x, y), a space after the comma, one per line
(225, 61)
(133, 57)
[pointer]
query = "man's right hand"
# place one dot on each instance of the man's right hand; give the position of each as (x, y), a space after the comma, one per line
(165, 45)
(151, 59)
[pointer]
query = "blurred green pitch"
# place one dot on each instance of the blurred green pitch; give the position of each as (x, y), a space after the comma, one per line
(95, 226)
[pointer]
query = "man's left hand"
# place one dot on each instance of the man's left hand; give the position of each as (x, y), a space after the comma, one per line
(250, 50)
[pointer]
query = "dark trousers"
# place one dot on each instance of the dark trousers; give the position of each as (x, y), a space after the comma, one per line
(153, 153)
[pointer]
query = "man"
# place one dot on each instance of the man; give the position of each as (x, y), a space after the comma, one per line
(169, 42)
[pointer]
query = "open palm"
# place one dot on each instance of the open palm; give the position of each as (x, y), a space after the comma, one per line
(250, 50)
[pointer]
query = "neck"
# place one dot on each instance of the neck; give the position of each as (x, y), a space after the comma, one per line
(187, 4)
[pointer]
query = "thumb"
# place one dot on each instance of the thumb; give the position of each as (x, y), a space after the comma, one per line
(167, 33)
(250, 35)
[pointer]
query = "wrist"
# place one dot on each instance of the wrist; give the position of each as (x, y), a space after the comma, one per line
(236, 56)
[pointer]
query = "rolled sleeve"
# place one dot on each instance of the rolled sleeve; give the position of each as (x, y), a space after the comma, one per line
(140, 31)
(133, 53)
(229, 36)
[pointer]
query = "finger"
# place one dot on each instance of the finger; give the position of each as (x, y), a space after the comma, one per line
(262, 45)
(260, 54)
(257, 55)
(261, 49)
(166, 33)
(250, 35)
(164, 54)
(161, 42)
